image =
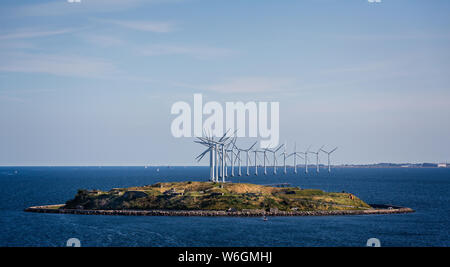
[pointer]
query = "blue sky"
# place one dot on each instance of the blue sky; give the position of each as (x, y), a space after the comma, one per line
(92, 83)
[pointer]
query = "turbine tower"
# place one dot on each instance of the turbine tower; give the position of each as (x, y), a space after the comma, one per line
(238, 157)
(212, 159)
(216, 159)
(284, 159)
(222, 164)
(264, 160)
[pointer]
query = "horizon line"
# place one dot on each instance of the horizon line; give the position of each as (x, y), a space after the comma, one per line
(244, 166)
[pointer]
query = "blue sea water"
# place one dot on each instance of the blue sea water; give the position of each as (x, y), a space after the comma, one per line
(425, 190)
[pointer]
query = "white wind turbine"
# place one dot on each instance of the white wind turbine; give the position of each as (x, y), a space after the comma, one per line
(238, 157)
(223, 166)
(256, 160)
(328, 155)
(215, 154)
(317, 158)
(275, 158)
(227, 158)
(264, 160)
(233, 142)
(212, 149)
(284, 158)
(306, 158)
(295, 154)
(247, 151)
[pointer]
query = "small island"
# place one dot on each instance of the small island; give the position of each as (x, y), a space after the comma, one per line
(215, 199)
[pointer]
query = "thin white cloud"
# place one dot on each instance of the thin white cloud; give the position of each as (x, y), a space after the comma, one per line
(141, 25)
(16, 45)
(64, 65)
(102, 40)
(199, 52)
(9, 99)
(32, 33)
(253, 85)
(392, 37)
(195, 51)
(413, 101)
(64, 8)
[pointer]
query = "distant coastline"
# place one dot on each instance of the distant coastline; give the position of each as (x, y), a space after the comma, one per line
(395, 165)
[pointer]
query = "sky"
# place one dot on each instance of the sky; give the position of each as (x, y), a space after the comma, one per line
(92, 83)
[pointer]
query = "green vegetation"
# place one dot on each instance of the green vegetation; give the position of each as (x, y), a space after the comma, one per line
(213, 196)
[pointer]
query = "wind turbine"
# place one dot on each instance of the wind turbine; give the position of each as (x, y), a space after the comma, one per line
(306, 158)
(284, 158)
(238, 157)
(264, 160)
(317, 158)
(216, 161)
(328, 154)
(222, 142)
(256, 160)
(247, 151)
(275, 158)
(295, 154)
(215, 154)
(228, 158)
(212, 149)
(233, 142)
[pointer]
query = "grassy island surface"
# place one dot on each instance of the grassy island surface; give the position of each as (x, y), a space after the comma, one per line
(214, 196)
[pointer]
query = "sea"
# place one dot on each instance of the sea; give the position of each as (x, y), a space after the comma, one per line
(426, 190)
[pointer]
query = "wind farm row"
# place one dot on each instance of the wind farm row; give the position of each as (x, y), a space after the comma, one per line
(224, 154)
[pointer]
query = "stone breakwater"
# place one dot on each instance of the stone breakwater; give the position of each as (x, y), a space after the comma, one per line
(380, 209)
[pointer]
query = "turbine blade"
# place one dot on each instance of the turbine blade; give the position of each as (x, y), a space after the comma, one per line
(224, 135)
(320, 149)
(199, 157)
(253, 145)
(237, 157)
(279, 148)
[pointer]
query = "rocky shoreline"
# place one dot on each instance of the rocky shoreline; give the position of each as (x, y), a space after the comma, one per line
(376, 209)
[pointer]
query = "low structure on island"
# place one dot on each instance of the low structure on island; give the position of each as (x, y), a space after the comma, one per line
(215, 199)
